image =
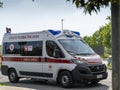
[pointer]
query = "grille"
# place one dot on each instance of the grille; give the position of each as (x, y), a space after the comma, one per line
(97, 68)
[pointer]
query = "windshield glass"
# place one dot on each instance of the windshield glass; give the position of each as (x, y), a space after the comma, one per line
(76, 46)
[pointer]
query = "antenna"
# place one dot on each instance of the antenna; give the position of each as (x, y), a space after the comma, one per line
(62, 23)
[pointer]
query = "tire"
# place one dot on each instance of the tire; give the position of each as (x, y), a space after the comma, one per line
(12, 75)
(65, 79)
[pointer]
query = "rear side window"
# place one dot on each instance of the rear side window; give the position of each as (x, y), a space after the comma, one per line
(11, 48)
(32, 48)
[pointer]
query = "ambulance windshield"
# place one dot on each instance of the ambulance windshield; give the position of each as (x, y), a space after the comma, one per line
(76, 47)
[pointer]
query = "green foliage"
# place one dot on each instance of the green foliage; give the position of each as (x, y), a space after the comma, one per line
(110, 65)
(106, 34)
(91, 5)
(104, 56)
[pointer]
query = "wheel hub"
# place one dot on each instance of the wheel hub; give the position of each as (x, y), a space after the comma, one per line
(65, 79)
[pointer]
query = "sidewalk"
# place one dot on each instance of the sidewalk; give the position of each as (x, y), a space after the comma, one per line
(14, 88)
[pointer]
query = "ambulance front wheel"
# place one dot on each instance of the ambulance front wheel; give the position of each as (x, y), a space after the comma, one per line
(65, 79)
(12, 75)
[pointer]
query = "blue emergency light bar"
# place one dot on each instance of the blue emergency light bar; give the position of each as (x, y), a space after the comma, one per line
(77, 33)
(54, 32)
(68, 33)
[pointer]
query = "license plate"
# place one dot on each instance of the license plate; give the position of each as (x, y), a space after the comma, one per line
(100, 76)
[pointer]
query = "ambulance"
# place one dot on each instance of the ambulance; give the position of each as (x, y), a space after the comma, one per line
(60, 56)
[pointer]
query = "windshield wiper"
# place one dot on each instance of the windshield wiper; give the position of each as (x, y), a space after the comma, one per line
(85, 53)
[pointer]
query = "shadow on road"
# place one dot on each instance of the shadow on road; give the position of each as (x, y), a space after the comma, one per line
(47, 85)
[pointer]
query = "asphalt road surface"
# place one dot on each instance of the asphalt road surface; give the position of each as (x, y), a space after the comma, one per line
(40, 85)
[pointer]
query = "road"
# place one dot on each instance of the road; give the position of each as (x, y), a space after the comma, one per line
(40, 85)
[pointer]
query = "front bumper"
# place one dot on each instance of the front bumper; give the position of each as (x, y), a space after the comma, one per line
(89, 73)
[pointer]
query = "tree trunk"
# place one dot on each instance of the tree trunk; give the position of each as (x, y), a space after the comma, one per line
(115, 13)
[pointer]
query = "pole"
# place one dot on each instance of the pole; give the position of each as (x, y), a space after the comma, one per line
(115, 45)
(62, 23)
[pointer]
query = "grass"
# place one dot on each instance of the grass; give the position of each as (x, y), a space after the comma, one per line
(2, 84)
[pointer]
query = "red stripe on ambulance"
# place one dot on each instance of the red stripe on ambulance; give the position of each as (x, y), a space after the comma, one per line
(58, 61)
(23, 59)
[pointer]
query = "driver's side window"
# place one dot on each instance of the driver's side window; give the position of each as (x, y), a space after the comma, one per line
(53, 50)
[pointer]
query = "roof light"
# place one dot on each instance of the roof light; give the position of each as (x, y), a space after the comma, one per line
(8, 30)
(54, 32)
(69, 33)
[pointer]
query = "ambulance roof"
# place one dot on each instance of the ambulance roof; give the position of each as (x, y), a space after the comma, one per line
(29, 36)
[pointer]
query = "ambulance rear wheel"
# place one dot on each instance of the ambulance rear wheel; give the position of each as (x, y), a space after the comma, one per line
(12, 75)
(65, 79)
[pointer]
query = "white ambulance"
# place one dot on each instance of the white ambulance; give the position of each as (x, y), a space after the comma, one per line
(61, 56)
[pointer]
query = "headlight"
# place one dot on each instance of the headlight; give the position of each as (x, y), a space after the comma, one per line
(76, 61)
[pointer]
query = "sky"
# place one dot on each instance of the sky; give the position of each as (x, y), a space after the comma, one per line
(27, 16)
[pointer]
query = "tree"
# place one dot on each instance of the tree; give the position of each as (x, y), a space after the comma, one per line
(106, 35)
(1, 4)
(101, 38)
(0, 49)
(90, 6)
